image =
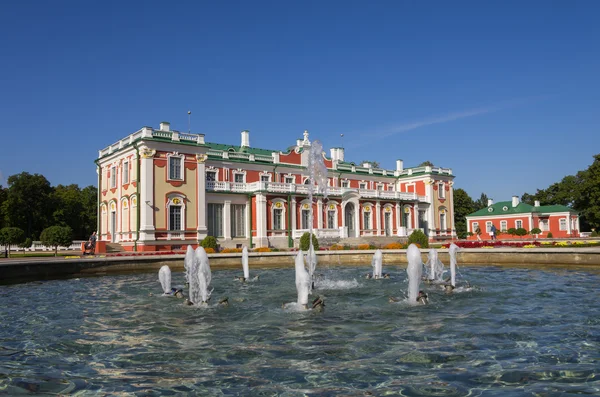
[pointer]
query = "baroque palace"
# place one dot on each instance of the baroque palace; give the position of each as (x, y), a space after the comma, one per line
(161, 189)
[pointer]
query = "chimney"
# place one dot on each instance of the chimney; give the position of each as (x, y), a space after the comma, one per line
(399, 165)
(515, 201)
(490, 202)
(367, 165)
(340, 154)
(165, 126)
(536, 203)
(245, 138)
(334, 154)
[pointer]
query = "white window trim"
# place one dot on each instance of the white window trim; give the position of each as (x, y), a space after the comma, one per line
(441, 190)
(335, 210)
(363, 210)
(407, 209)
(562, 221)
(346, 182)
(488, 226)
(264, 173)
(172, 201)
(125, 172)
(503, 226)
(113, 176)
(363, 185)
(517, 221)
(182, 169)
(236, 172)
(283, 218)
(214, 171)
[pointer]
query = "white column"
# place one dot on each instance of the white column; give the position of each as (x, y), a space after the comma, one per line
(319, 213)
(378, 218)
(293, 217)
(569, 231)
(261, 221)
(227, 220)
(451, 208)
(397, 219)
(201, 227)
(146, 201)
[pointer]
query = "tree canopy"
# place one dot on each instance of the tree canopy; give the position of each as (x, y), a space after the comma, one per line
(32, 204)
(463, 206)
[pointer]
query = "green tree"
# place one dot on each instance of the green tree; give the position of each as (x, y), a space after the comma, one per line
(535, 231)
(521, 232)
(76, 208)
(29, 203)
(587, 202)
(305, 242)
(418, 237)
(482, 202)
(55, 236)
(463, 206)
(426, 164)
(374, 164)
(11, 236)
(3, 196)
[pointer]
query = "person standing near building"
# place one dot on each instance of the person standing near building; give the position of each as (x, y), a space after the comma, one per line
(493, 232)
(478, 233)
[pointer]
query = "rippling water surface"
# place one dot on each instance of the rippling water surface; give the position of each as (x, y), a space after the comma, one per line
(516, 332)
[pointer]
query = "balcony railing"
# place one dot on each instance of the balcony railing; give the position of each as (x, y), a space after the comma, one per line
(279, 187)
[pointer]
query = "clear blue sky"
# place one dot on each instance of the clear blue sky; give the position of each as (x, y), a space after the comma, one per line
(505, 93)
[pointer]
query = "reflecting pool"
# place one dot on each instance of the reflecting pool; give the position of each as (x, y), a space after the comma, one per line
(517, 332)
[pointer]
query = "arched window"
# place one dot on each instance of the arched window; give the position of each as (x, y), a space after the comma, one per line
(332, 218)
(367, 213)
(176, 211)
(278, 214)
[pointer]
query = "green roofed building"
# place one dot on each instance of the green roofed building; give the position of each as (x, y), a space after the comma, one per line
(560, 220)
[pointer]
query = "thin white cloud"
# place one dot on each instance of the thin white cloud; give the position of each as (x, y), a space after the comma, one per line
(439, 119)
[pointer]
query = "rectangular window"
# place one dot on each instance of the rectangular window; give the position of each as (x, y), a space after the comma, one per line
(345, 184)
(175, 168)
(562, 224)
(289, 179)
(441, 191)
(125, 172)
(544, 225)
(265, 178)
(367, 220)
(238, 220)
(518, 224)
(422, 221)
(278, 219)
(238, 178)
(362, 185)
(174, 217)
(331, 224)
(113, 177)
(380, 188)
(475, 226)
(214, 217)
(443, 222)
(488, 227)
(211, 176)
(305, 219)
(503, 226)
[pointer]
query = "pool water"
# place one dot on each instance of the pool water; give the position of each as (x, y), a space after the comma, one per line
(529, 332)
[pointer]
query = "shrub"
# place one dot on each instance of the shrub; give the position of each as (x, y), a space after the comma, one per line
(55, 236)
(512, 231)
(393, 246)
(418, 237)
(594, 233)
(209, 242)
(209, 250)
(231, 250)
(535, 230)
(550, 235)
(521, 232)
(305, 242)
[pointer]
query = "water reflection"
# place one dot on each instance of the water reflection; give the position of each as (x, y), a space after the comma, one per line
(519, 332)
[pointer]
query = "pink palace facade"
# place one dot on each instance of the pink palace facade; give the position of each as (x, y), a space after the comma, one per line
(161, 189)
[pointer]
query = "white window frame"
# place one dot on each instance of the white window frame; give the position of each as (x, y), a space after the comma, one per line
(125, 173)
(443, 225)
(215, 173)
(474, 226)
(367, 225)
(380, 187)
(332, 206)
(176, 200)
(441, 190)
(488, 226)
(278, 204)
(236, 174)
(503, 226)
(113, 177)
(544, 225)
(518, 223)
(289, 179)
(244, 232)
(562, 224)
(362, 185)
(170, 158)
(265, 177)
(222, 223)
(346, 183)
